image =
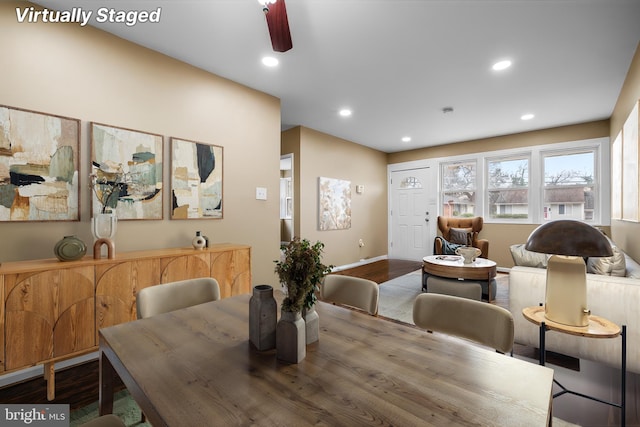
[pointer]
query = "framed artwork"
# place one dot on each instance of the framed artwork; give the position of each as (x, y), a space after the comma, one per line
(126, 172)
(630, 168)
(616, 177)
(334, 204)
(196, 180)
(39, 155)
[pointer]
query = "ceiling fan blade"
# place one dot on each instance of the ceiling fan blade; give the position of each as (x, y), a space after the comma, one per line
(279, 27)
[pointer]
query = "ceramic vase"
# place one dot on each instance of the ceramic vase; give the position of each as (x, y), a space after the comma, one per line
(290, 337)
(263, 318)
(312, 324)
(70, 248)
(198, 242)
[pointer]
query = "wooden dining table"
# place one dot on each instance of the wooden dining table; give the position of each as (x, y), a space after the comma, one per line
(196, 367)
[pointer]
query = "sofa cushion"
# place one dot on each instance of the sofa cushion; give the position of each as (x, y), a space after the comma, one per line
(460, 236)
(610, 266)
(526, 258)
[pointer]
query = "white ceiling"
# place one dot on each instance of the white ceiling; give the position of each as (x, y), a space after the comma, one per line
(398, 63)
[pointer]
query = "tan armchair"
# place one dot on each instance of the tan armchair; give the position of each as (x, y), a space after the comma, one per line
(470, 225)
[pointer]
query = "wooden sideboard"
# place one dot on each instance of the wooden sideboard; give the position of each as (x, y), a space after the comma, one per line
(52, 310)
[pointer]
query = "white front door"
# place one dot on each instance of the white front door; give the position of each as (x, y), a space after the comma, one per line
(413, 213)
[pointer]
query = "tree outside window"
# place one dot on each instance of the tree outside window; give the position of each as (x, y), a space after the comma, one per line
(459, 189)
(508, 187)
(569, 185)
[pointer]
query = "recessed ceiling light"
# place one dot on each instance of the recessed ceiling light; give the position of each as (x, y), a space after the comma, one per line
(528, 116)
(501, 65)
(345, 112)
(270, 61)
(406, 139)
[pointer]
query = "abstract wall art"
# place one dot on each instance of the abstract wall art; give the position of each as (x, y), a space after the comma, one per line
(38, 166)
(126, 172)
(334, 204)
(196, 180)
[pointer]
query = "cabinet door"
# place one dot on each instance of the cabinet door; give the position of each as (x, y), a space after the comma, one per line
(117, 285)
(48, 314)
(185, 267)
(232, 270)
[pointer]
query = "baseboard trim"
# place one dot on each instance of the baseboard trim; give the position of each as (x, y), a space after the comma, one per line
(359, 263)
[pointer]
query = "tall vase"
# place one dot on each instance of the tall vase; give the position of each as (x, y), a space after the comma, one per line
(104, 225)
(312, 324)
(290, 337)
(263, 318)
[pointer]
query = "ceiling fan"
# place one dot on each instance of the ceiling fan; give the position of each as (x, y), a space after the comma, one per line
(276, 13)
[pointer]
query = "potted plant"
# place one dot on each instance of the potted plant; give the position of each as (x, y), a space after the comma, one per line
(300, 270)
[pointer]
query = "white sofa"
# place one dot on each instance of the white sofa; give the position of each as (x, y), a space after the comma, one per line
(615, 298)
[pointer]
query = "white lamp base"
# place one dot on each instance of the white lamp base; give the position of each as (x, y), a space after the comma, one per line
(566, 294)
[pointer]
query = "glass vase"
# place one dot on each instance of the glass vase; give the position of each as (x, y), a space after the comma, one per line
(104, 225)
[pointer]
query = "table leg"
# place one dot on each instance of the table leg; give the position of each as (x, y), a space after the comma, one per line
(50, 378)
(541, 340)
(623, 380)
(107, 375)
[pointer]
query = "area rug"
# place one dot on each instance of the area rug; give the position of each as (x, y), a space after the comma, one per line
(123, 406)
(397, 295)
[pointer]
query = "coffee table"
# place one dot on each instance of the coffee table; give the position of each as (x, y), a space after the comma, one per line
(453, 267)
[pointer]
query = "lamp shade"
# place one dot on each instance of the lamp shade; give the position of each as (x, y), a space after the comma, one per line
(569, 237)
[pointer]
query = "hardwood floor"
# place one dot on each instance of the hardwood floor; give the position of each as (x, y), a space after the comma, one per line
(381, 271)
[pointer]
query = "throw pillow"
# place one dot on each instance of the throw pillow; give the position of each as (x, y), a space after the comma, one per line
(526, 258)
(460, 236)
(609, 266)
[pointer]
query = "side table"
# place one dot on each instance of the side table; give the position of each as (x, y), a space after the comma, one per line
(598, 327)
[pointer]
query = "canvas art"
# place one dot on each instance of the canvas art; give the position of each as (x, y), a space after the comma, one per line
(334, 204)
(126, 172)
(38, 166)
(196, 180)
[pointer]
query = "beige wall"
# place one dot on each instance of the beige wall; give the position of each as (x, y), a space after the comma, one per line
(318, 154)
(502, 236)
(626, 233)
(91, 75)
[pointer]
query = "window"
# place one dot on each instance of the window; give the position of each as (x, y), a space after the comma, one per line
(459, 189)
(411, 182)
(565, 180)
(569, 185)
(508, 187)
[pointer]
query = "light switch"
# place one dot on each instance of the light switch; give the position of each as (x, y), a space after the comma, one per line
(261, 193)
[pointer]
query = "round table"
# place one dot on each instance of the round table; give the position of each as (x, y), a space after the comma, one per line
(453, 267)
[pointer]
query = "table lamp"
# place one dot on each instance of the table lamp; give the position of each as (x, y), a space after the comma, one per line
(569, 242)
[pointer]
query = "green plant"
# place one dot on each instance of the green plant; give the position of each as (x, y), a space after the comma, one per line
(300, 271)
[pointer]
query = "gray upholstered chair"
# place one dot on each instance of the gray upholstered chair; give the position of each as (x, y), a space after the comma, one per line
(176, 295)
(484, 323)
(352, 291)
(109, 420)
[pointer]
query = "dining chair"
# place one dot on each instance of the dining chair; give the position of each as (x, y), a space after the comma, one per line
(172, 296)
(351, 291)
(109, 420)
(484, 323)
